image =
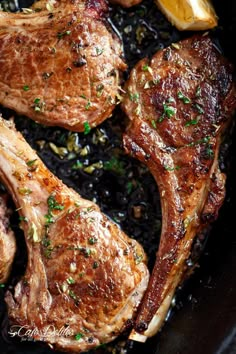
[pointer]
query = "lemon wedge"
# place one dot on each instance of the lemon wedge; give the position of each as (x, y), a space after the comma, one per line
(189, 14)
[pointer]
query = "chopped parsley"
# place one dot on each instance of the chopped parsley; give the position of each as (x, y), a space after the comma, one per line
(88, 105)
(199, 108)
(129, 187)
(85, 251)
(95, 265)
(145, 67)
(99, 51)
(92, 240)
(198, 92)
(99, 89)
(134, 97)
(114, 165)
(204, 140)
(70, 280)
(63, 34)
(191, 122)
(72, 295)
(168, 168)
(46, 242)
(48, 248)
(78, 336)
(168, 111)
(52, 205)
(38, 105)
(87, 128)
(209, 152)
(153, 122)
(23, 218)
(183, 98)
(30, 163)
(77, 165)
(48, 252)
(26, 88)
(138, 258)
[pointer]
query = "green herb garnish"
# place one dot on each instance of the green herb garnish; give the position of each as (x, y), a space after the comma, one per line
(114, 165)
(30, 163)
(168, 168)
(99, 51)
(92, 240)
(26, 88)
(191, 122)
(70, 280)
(78, 336)
(52, 205)
(183, 98)
(129, 187)
(145, 67)
(95, 265)
(134, 97)
(77, 165)
(62, 34)
(204, 140)
(153, 122)
(87, 128)
(198, 92)
(99, 89)
(23, 218)
(88, 105)
(199, 108)
(209, 152)
(38, 105)
(168, 111)
(72, 295)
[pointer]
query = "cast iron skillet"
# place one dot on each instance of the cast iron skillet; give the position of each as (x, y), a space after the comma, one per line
(204, 318)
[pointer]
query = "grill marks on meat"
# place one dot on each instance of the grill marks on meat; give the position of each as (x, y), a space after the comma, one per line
(61, 68)
(7, 241)
(84, 275)
(179, 105)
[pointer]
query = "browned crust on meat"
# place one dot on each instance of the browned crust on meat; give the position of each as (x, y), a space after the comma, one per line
(61, 68)
(83, 273)
(179, 103)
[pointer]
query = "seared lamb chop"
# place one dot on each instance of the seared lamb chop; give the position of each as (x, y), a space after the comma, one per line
(179, 104)
(7, 241)
(84, 277)
(60, 68)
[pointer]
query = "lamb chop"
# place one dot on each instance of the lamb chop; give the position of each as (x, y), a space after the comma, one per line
(179, 104)
(60, 66)
(84, 277)
(7, 241)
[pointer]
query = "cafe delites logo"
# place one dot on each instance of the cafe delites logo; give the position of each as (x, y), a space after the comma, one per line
(28, 333)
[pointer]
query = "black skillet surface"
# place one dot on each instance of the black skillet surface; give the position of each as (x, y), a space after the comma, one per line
(204, 318)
